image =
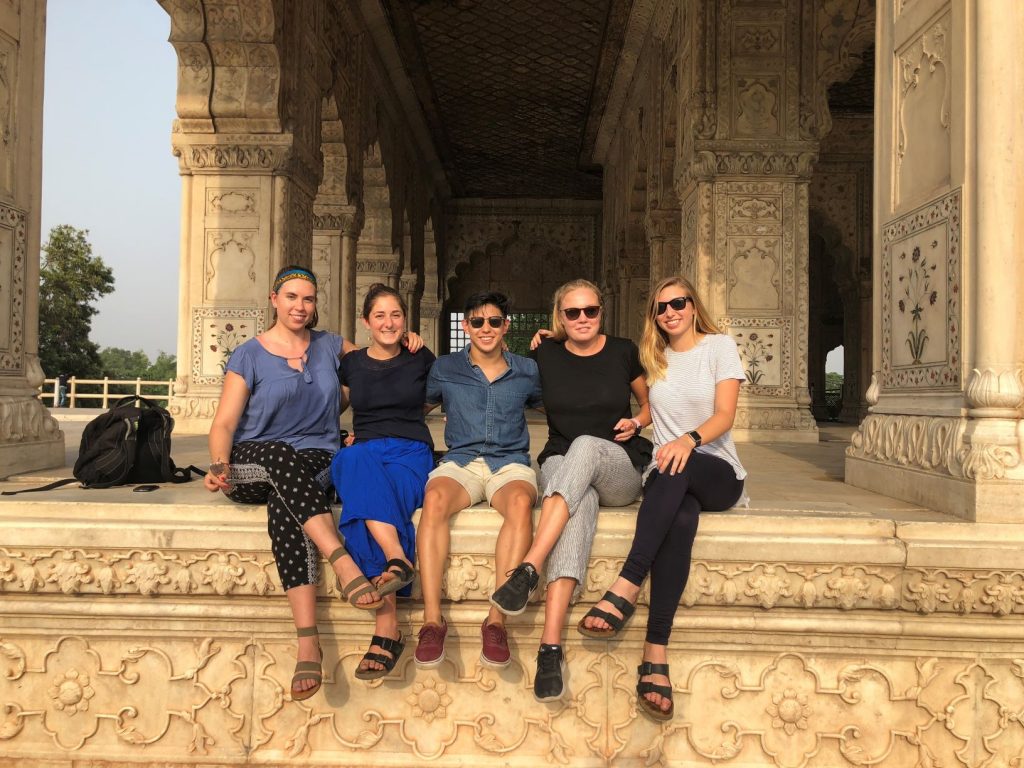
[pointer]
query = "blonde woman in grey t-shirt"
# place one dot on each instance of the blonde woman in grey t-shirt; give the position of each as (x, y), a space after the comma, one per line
(694, 374)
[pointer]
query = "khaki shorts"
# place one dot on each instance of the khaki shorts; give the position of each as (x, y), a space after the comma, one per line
(480, 482)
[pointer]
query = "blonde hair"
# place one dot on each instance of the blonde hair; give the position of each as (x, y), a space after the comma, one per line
(654, 340)
(557, 326)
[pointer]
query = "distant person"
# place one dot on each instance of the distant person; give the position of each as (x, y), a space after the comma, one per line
(380, 477)
(484, 390)
(694, 371)
(62, 390)
(593, 458)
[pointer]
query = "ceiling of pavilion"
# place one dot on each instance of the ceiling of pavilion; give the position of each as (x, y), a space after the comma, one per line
(512, 89)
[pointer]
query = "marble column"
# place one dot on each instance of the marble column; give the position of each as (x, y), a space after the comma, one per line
(945, 427)
(347, 288)
(30, 437)
(663, 228)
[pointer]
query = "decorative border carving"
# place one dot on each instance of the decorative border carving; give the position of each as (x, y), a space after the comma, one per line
(930, 443)
(12, 357)
(946, 375)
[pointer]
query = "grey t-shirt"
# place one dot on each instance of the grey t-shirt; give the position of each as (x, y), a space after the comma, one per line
(298, 408)
(685, 398)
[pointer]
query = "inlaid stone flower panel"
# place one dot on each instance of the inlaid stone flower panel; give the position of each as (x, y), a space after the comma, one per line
(216, 332)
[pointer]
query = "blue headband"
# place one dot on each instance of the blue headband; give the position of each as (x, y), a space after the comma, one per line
(293, 274)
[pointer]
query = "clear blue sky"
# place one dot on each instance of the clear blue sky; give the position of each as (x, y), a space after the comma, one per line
(111, 78)
(107, 164)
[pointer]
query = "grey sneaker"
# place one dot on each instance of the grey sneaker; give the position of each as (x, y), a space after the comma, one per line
(547, 685)
(512, 596)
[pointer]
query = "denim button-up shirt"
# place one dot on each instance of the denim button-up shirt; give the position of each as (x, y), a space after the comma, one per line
(486, 419)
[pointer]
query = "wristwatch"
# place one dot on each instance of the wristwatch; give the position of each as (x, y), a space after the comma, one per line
(219, 468)
(639, 426)
(695, 436)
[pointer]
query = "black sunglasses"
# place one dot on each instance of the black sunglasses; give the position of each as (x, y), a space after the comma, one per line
(478, 322)
(678, 304)
(573, 313)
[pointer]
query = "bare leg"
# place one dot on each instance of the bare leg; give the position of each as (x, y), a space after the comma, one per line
(556, 605)
(622, 588)
(386, 625)
(303, 604)
(442, 499)
(657, 654)
(514, 503)
(321, 531)
(554, 514)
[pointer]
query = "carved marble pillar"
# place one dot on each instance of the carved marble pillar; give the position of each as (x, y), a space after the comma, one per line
(243, 218)
(945, 429)
(30, 438)
(351, 225)
(663, 227)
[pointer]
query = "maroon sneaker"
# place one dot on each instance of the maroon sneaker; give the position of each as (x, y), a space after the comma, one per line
(430, 648)
(495, 652)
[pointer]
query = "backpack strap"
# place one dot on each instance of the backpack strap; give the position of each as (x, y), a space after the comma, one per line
(184, 474)
(48, 487)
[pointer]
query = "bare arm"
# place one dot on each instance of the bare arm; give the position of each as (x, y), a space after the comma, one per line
(626, 429)
(233, 397)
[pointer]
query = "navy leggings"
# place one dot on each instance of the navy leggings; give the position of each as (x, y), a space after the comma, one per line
(665, 528)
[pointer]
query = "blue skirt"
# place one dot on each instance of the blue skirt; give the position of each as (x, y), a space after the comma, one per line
(380, 480)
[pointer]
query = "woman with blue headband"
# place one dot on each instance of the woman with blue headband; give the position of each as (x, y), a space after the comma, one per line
(272, 441)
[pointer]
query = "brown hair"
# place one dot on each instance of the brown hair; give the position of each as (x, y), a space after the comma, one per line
(654, 340)
(557, 327)
(375, 292)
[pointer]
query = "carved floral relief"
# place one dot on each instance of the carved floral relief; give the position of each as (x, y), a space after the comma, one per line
(229, 265)
(921, 297)
(12, 289)
(757, 106)
(215, 334)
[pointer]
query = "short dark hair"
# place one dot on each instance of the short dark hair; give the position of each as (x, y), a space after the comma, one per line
(483, 298)
(377, 290)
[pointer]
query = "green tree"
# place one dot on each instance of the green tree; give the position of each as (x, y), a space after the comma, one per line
(163, 368)
(71, 279)
(119, 363)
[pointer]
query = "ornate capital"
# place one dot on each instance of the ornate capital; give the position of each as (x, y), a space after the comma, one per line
(244, 153)
(379, 267)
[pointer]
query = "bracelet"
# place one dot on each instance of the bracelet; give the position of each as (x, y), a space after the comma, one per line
(639, 426)
(219, 468)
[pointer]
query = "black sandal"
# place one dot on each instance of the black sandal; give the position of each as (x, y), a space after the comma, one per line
(401, 576)
(615, 623)
(649, 708)
(387, 644)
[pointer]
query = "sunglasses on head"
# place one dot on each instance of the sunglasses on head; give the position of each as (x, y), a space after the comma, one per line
(478, 322)
(678, 304)
(573, 313)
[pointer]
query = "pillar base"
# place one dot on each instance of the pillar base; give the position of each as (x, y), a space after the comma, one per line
(784, 423)
(30, 438)
(193, 414)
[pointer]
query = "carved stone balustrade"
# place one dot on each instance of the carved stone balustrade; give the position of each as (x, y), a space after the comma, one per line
(142, 634)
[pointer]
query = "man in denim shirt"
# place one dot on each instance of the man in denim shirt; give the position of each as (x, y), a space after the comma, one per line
(485, 391)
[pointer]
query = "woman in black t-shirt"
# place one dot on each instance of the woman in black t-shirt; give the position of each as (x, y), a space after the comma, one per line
(593, 458)
(380, 477)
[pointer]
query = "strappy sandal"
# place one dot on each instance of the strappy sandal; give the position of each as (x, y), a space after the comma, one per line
(356, 588)
(615, 623)
(649, 708)
(401, 576)
(308, 670)
(387, 644)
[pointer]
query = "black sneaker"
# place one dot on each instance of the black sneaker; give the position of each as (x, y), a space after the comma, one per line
(547, 685)
(511, 598)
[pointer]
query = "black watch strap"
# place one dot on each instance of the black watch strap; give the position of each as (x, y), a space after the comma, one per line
(695, 436)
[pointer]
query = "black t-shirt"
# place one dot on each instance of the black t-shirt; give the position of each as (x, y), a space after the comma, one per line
(387, 396)
(587, 395)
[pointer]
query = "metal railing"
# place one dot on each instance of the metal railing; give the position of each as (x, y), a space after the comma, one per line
(154, 390)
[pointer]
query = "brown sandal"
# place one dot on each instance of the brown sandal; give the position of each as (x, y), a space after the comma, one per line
(308, 670)
(356, 588)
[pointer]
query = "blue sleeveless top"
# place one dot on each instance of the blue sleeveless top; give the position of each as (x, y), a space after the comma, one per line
(298, 408)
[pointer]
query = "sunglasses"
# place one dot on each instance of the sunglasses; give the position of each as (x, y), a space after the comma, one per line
(478, 322)
(678, 304)
(573, 313)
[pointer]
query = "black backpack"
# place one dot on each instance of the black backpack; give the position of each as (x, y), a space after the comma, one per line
(126, 445)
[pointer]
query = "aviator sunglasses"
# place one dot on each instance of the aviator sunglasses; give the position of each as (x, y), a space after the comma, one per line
(678, 304)
(478, 322)
(573, 313)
